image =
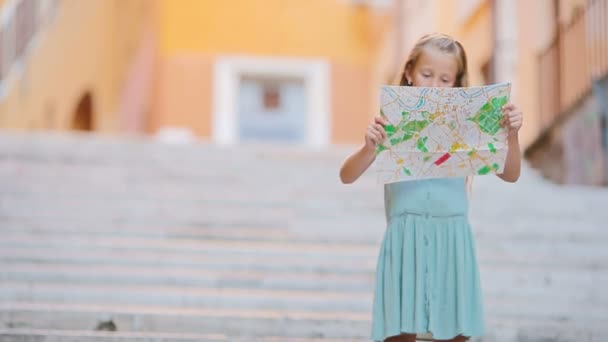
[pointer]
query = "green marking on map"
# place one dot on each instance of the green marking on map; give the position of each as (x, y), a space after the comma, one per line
(407, 171)
(404, 131)
(412, 127)
(381, 148)
(492, 147)
(484, 170)
(489, 116)
(421, 144)
(390, 130)
(472, 152)
(427, 158)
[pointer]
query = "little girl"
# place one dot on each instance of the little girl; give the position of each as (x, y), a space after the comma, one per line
(427, 278)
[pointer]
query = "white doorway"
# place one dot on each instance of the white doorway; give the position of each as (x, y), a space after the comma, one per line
(272, 109)
(270, 98)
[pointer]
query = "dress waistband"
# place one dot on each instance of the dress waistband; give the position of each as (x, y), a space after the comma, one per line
(426, 215)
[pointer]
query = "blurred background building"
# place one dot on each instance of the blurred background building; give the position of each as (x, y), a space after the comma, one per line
(304, 72)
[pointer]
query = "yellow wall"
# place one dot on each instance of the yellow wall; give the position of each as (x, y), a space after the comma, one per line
(194, 33)
(535, 31)
(90, 47)
(328, 28)
(444, 16)
(476, 35)
(85, 48)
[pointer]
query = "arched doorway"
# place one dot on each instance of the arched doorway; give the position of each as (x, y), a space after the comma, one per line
(83, 115)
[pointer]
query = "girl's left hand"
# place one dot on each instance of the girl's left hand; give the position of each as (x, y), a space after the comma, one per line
(512, 119)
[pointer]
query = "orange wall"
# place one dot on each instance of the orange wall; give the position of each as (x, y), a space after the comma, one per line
(183, 93)
(64, 64)
(86, 47)
(329, 28)
(476, 36)
(194, 33)
(352, 96)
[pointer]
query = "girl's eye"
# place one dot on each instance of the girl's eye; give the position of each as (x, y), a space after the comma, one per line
(426, 75)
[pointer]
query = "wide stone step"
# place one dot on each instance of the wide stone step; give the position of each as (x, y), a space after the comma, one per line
(192, 246)
(244, 261)
(41, 335)
(47, 335)
(532, 289)
(258, 325)
(536, 283)
(253, 323)
(497, 302)
(228, 177)
(242, 298)
(306, 230)
(191, 225)
(185, 276)
(565, 254)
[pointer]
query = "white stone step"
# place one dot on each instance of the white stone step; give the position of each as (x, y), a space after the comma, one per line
(259, 324)
(563, 254)
(243, 261)
(522, 303)
(187, 222)
(42, 335)
(227, 298)
(305, 230)
(50, 335)
(253, 323)
(184, 276)
(182, 245)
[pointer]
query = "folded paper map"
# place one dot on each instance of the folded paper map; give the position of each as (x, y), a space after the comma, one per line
(442, 132)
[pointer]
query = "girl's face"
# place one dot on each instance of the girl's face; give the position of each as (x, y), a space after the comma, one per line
(433, 68)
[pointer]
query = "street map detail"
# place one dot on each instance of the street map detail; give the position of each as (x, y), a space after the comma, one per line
(442, 132)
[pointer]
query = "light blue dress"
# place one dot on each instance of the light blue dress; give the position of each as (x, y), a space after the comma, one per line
(427, 278)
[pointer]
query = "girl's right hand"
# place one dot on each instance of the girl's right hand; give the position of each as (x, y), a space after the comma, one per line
(375, 134)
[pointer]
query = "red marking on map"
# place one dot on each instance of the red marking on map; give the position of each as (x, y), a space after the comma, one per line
(442, 159)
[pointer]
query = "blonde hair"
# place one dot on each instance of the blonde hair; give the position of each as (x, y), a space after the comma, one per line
(443, 43)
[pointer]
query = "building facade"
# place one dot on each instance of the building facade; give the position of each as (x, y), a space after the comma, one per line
(555, 54)
(302, 72)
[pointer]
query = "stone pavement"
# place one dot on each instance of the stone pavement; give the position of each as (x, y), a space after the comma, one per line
(260, 243)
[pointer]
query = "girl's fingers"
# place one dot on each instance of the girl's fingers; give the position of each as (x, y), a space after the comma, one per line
(504, 121)
(380, 129)
(512, 118)
(377, 134)
(516, 119)
(380, 120)
(373, 135)
(508, 107)
(515, 115)
(369, 136)
(515, 125)
(372, 138)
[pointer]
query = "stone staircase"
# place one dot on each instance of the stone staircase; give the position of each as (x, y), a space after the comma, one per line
(128, 239)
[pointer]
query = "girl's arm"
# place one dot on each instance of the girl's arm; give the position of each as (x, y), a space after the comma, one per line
(358, 162)
(513, 120)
